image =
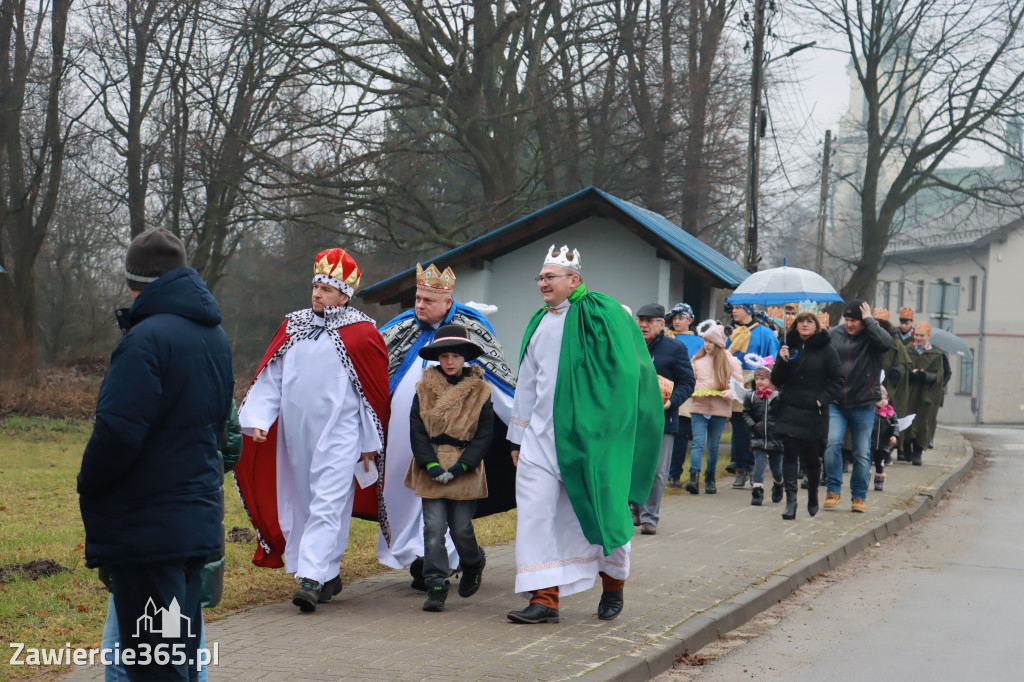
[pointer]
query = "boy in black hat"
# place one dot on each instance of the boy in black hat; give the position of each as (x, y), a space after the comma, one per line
(450, 429)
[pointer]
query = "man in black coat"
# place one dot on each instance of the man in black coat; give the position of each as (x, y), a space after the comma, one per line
(672, 361)
(150, 485)
(861, 345)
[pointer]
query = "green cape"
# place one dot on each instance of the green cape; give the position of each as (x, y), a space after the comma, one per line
(609, 415)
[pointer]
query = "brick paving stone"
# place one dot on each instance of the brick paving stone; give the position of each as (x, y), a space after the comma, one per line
(712, 554)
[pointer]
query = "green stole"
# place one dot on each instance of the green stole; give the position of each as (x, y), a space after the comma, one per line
(609, 415)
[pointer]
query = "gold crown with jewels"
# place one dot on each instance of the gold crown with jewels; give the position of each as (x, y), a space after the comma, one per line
(434, 280)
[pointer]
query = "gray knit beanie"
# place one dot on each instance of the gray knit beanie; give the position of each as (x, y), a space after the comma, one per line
(151, 254)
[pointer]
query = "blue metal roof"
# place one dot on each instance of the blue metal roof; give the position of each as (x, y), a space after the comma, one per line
(693, 248)
(726, 271)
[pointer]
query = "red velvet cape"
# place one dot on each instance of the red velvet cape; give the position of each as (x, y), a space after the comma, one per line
(256, 471)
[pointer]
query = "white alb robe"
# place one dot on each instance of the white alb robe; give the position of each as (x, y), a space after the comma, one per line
(551, 550)
(323, 428)
(405, 510)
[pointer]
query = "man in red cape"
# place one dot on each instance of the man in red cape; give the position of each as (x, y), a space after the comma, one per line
(314, 414)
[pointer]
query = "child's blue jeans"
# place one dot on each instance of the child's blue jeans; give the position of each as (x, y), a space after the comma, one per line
(764, 459)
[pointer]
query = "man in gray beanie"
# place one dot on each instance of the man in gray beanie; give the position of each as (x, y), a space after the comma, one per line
(152, 254)
(150, 485)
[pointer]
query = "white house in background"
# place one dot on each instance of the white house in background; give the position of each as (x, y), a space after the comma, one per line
(627, 252)
(982, 249)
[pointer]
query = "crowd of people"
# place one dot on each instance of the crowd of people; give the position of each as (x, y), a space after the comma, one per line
(423, 426)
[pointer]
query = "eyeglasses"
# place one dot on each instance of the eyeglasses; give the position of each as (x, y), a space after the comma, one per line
(545, 279)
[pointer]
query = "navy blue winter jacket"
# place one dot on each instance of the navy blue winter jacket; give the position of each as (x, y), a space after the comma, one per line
(150, 484)
(672, 361)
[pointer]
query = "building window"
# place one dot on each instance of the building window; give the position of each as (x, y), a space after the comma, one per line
(920, 296)
(899, 295)
(972, 292)
(886, 291)
(966, 385)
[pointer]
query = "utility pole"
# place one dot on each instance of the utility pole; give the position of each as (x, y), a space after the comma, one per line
(823, 202)
(757, 74)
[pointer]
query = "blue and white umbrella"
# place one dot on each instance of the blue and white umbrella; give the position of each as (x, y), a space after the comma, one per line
(777, 286)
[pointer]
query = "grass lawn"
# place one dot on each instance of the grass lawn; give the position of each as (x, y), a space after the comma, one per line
(39, 519)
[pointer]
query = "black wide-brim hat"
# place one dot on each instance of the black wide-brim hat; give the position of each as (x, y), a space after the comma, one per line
(451, 338)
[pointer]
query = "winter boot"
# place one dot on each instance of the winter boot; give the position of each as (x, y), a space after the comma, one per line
(741, 479)
(709, 483)
(813, 473)
(436, 597)
(673, 482)
(879, 481)
(915, 456)
(777, 492)
(790, 485)
(757, 496)
(693, 485)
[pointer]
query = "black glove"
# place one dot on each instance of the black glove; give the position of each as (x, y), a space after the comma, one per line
(435, 471)
(457, 469)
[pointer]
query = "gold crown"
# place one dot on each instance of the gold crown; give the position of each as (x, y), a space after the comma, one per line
(823, 318)
(880, 314)
(435, 280)
(906, 313)
(776, 311)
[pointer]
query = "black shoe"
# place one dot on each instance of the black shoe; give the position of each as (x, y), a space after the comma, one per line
(674, 482)
(812, 501)
(416, 571)
(610, 605)
(730, 468)
(776, 492)
(757, 496)
(789, 513)
(693, 485)
(471, 577)
(331, 588)
(741, 480)
(307, 595)
(709, 483)
(435, 598)
(915, 458)
(533, 614)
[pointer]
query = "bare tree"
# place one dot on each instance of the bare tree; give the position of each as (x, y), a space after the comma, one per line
(32, 141)
(936, 76)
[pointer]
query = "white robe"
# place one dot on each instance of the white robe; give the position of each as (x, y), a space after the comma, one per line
(551, 549)
(405, 510)
(323, 427)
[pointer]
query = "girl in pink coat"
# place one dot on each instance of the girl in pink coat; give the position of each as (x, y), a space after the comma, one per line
(712, 402)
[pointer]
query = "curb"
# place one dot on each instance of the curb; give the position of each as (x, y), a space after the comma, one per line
(700, 630)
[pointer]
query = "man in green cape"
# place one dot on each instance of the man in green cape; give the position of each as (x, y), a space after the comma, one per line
(586, 432)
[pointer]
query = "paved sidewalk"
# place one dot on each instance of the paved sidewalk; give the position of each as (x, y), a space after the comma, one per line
(714, 564)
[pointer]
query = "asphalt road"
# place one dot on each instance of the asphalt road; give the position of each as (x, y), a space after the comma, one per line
(941, 600)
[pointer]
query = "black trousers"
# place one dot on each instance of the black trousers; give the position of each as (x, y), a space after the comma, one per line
(162, 604)
(807, 454)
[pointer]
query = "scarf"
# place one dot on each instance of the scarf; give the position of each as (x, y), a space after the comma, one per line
(739, 340)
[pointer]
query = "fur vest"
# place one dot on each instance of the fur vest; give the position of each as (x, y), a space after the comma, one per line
(451, 410)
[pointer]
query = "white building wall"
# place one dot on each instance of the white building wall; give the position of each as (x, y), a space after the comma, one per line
(615, 262)
(1002, 356)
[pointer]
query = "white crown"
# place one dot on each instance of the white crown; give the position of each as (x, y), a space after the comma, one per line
(564, 259)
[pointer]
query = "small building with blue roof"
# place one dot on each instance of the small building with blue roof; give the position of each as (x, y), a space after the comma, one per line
(628, 252)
